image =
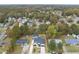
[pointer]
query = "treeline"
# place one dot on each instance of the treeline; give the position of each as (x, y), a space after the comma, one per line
(35, 13)
(71, 11)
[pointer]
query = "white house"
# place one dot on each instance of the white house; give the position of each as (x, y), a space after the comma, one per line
(21, 21)
(48, 22)
(74, 35)
(30, 23)
(77, 36)
(58, 41)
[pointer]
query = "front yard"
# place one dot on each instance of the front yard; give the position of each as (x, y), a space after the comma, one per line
(72, 49)
(18, 49)
(36, 50)
(2, 29)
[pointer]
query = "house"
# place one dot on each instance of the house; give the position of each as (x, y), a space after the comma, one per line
(72, 41)
(21, 21)
(38, 40)
(30, 23)
(57, 12)
(1, 25)
(11, 19)
(74, 35)
(21, 41)
(77, 36)
(58, 41)
(48, 22)
(76, 19)
(2, 36)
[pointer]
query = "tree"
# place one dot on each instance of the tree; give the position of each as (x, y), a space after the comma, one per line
(14, 34)
(42, 28)
(54, 19)
(63, 28)
(60, 47)
(52, 46)
(74, 29)
(52, 31)
(24, 30)
(16, 30)
(71, 11)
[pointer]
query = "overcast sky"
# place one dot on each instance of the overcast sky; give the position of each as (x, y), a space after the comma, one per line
(39, 2)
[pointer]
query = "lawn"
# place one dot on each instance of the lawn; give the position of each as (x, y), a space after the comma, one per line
(18, 49)
(7, 43)
(2, 29)
(70, 37)
(7, 39)
(72, 49)
(1, 50)
(36, 50)
(6, 46)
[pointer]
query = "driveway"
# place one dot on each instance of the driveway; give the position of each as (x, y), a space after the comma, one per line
(42, 50)
(4, 52)
(31, 47)
(25, 48)
(64, 48)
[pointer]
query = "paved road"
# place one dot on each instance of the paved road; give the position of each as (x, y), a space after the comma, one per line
(31, 47)
(42, 50)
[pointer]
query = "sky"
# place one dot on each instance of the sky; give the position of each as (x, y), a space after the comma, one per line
(39, 2)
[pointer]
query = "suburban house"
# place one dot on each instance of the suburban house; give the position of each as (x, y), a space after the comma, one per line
(38, 40)
(21, 21)
(77, 36)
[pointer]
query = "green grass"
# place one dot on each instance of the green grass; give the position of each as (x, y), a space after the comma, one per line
(1, 50)
(72, 49)
(5, 47)
(18, 49)
(36, 50)
(7, 39)
(2, 29)
(70, 37)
